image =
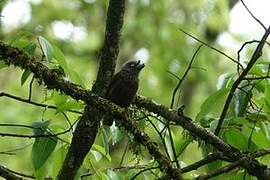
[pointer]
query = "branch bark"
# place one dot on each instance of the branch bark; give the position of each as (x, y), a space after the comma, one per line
(87, 128)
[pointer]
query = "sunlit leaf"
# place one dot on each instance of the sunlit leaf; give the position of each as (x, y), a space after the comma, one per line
(25, 75)
(30, 48)
(70, 104)
(236, 139)
(241, 99)
(105, 140)
(213, 102)
(43, 146)
(46, 47)
(102, 151)
(59, 56)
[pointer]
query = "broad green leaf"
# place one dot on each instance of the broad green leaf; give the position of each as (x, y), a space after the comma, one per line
(241, 99)
(236, 139)
(213, 102)
(59, 56)
(70, 104)
(2, 64)
(105, 140)
(25, 75)
(59, 99)
(19, 36)
(46, 47)
(43, 146)
(30, 48)
(41, 150)
(102, 151)
(75, 77)
(225, 80)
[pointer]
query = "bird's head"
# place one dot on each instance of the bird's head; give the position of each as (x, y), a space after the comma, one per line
(132, 67)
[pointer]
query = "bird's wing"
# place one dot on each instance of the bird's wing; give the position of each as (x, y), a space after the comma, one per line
(114, 83)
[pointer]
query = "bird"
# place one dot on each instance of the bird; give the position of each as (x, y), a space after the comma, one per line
(124, 85)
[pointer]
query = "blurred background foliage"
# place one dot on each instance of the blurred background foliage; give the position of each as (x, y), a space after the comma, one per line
(150, 33)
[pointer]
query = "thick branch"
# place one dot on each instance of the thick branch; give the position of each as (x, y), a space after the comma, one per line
(110, 49)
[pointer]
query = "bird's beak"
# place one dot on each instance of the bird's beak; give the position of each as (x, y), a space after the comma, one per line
(139, 66)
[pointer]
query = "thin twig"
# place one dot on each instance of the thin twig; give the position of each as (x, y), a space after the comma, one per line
(208, 159)
(252, 15)
(15, 149)
(211, 47)
(33, 103)
(146, 169)
(222, 170)
(31, 136)
(184, 76)
(30, 88)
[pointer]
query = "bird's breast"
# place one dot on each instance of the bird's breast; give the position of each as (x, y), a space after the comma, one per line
(124, 92)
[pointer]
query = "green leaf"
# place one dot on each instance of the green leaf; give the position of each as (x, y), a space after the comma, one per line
(43, 146)
(19, 36)
(30, 48)
(225, 80)
(41, 150)
(2, 64)
(105, 140)
(59, 56)
(241, 99)
(70, 104)
(236, 139)
(25, 75)
(46, 47)
(213, 102)
(102, 151)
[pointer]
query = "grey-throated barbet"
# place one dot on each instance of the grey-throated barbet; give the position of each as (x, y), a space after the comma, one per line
(124, 85)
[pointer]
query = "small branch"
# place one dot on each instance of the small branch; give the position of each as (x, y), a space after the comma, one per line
(222, 170)
(257, 53)
(208, 159)
(252, 15)
(7, 174)
(31, 136)
(172, 103)
(237, 164)
(142, 171)
(211, 47)
(30, 88)
(3, 94)
(184, 75)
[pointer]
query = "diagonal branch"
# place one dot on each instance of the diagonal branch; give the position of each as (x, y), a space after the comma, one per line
(257, 53)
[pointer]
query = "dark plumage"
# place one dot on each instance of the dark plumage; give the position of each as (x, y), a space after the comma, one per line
(124, 85)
